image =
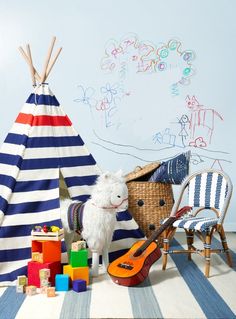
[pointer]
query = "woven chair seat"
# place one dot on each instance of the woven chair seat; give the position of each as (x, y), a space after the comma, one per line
(195, 223)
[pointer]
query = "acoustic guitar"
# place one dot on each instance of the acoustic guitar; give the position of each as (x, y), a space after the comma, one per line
(133, 267)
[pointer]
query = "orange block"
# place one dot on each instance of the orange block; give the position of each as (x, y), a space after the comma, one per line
(77, 273)
(50, 250)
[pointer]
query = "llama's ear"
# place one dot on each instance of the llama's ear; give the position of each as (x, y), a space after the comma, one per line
(104, 176)
(187, 98)
(119, 173)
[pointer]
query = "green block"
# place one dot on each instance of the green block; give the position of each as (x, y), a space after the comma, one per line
(79, 258)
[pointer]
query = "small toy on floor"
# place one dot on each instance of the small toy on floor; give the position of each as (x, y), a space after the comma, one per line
(21, 283)
(31, 290)
(79, 285)
(51, 292)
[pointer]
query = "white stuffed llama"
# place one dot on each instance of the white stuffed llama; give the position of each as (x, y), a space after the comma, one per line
(96, 218)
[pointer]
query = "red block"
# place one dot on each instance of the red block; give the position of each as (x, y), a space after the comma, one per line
(33, 272)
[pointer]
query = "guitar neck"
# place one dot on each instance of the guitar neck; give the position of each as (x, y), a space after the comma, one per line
(158, 232)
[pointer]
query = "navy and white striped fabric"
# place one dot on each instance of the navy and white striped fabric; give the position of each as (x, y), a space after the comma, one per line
(206, 190)
(41, 144)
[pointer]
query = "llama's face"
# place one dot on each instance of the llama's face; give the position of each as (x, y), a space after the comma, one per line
(119, 196)
(110, 191)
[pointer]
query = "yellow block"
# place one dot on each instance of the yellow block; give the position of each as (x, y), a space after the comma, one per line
(77, 273)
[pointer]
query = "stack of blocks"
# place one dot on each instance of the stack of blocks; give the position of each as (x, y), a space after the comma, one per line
(46, 254)
(78, 270)
(21, 283)
(44, 275)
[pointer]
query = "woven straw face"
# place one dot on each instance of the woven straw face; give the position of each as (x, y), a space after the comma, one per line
(149, 203)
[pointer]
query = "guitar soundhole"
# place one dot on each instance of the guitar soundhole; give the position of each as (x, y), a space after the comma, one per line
(125, 266)
(140, 202)
(162, 202)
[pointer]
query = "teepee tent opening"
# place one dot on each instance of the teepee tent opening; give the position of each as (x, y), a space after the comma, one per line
(41, 154)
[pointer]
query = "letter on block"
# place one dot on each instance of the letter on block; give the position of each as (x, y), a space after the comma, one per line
(31, 290)
(77, 273)
(79, 258)
(22, 280)
(51, 292)
(44, 273)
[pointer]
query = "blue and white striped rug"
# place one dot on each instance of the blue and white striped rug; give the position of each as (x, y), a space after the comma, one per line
(182, 291)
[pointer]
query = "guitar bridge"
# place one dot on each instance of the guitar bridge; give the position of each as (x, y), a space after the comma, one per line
(125, 266)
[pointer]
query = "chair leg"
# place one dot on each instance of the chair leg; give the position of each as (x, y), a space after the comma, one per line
(167, 235)
(190, 239)
(165, 249)
(225, 245)
(207, 252)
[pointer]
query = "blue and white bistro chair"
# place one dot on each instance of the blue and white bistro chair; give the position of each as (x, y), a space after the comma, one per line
(207, 191)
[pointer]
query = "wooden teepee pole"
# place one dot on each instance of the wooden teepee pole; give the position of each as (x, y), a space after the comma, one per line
(37, 76)
(43, 77)
(31, 64)
(53, 62)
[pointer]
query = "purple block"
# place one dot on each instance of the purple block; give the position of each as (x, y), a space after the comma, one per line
(79, 285)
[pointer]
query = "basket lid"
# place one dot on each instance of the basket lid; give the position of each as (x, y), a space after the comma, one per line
(141, 171)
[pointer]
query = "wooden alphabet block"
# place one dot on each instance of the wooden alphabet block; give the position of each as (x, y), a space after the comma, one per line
(31, 290)
(78, 245)
(22, 280)
(44, 273)
(51, 292)
(20, 289)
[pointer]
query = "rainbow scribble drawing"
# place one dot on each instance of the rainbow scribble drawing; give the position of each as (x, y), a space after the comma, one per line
(130, 53)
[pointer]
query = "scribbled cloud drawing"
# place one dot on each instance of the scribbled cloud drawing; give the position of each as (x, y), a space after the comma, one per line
(131, 53)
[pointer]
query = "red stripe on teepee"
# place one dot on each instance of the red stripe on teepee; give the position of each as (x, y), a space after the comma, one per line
(43, 120)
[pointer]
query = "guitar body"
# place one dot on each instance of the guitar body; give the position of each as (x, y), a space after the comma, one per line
(128, 270)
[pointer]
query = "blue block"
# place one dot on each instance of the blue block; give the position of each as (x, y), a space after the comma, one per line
(62, 282)
(79, 285)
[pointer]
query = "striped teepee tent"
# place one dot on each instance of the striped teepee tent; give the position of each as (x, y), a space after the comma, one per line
(42, 146)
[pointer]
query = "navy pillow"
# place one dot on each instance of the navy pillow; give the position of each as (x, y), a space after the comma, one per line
(173, 171)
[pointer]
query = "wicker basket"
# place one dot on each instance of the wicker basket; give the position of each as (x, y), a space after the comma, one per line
(149, 202)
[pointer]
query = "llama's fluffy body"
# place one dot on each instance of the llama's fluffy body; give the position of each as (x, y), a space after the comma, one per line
(109, 196)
